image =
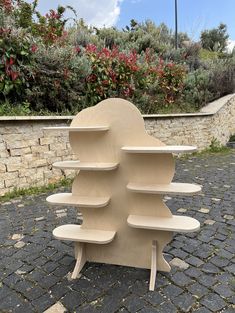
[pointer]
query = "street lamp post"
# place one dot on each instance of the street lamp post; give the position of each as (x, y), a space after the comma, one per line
(176, 26)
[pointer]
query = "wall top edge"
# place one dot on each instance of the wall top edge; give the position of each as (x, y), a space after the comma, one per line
(210, 109)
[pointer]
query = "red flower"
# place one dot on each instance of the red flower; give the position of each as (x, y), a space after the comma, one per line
(77, 49)
(14, 75)
(91, 48)
(34, 48)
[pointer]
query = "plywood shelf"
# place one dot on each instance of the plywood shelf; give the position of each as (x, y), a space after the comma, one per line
(68, 199)
(86, 166)
(77, 233)
(78, 129)
(160, 149)
(177, 223)
(173, 188)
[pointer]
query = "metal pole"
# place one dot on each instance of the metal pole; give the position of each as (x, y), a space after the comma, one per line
(176, 26)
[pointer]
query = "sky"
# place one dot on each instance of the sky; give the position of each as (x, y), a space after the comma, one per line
(193, 15)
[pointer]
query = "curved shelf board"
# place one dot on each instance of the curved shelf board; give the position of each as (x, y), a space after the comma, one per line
(176, 223)
(173, 188)
(68, 199)
(77, 233)
(86, 166)
(79, 128)
(160, 149)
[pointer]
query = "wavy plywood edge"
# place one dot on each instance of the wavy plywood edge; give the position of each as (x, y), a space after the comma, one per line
(68, 199)
(91, 166)
(159, 149)
(176, 223)
(74, 232)
(173, 188)
(78, 128)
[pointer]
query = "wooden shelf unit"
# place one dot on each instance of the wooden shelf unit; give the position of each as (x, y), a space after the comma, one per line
(172, 188)
(109, 227)
(68, 199)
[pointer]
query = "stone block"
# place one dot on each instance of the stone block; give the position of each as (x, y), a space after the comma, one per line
(40, 149)
(20, 151)
(3, 168)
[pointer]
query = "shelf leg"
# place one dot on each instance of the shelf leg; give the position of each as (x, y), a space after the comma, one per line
(153, 271)
(79, 250)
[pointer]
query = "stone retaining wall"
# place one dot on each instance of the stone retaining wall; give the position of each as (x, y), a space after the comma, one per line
(27, 152)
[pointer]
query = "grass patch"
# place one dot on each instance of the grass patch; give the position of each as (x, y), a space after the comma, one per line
(64, 182)
(214, 148)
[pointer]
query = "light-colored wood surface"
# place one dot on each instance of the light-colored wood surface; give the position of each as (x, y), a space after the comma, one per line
(172, 188)
(74, 232)
(175, 223)
(150, 163)
(68, 199)
(78, 129)
(80, 256)
(163, 149)
(153, 270)
(88, 166)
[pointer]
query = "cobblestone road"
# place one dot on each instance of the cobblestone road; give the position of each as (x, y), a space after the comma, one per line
(35, 268)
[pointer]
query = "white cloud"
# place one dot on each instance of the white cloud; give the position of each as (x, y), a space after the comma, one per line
(230, 45)
(97, 13)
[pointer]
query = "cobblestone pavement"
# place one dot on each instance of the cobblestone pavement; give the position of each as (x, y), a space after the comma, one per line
(35, 268)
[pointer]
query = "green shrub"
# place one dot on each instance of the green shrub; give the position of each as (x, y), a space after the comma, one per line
(196, 88)
(205, 54)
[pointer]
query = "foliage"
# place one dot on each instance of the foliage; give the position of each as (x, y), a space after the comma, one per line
(58, 81)
(46, 67)
(232, 138)
(215, 39)
(64, 182)
(205, 54)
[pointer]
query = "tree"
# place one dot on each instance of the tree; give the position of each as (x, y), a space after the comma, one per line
(215, 39)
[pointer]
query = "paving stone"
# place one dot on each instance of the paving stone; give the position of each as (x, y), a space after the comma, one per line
(194, 261)
(181, 279)
(154, 298)
(35, 293)
(172, 291)
(179, 263)
(134, 304)
(219, 261)
(223, 290)
(182, 210)
(230, 268)
(209, 222)
(210, 268)
(59, 290)
(56, 308)
(72, 300)
(17, 237)
(198, 290)
(10, 302)
(43, 303)
(19, 244)
(184, 302)
(204, 210)
(228, 217)
(39, 219)
(207, 280)
(213, 302)
(193, 272)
